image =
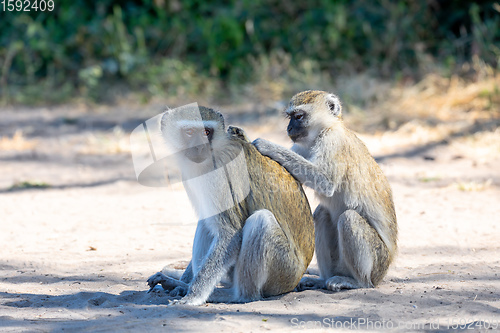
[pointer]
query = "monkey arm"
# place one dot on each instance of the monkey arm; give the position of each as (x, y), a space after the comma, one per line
(303, 170)
(220, 257)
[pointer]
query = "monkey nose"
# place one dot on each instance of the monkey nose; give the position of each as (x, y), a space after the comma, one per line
(201, 148)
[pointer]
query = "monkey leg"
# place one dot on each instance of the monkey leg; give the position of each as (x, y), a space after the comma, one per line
(201, 245)
(179, 274)
(363, 254)
(181, 290)
(327, 250)
(267, 264)
(170, 280)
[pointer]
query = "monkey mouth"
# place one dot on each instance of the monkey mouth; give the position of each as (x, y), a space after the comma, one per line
(296, 137)
(198, 154)
(197, 159)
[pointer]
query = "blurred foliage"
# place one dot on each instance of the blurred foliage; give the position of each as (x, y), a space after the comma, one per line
(193, 47)
(28, 184)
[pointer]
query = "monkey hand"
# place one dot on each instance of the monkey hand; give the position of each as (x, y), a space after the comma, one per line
(237, 132)
(265, 147)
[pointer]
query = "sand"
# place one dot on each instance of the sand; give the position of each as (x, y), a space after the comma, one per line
(75, 256)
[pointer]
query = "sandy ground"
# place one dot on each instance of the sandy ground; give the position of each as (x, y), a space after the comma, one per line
(75, 256)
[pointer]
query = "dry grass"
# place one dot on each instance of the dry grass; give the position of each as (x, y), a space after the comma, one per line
(448, 99)
(472, 186)
(434, 100)
(115, 142)
(479, 145)
(17, 142)
(436, 109)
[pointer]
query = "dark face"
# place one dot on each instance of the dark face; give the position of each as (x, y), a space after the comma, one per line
(199, 142)
(297, 128)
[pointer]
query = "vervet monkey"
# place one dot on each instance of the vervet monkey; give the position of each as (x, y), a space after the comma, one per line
(255, 222)
(355, 221)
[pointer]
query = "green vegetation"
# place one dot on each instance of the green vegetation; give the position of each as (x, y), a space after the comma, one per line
(192, 47)
(28, 184)
(429, 179)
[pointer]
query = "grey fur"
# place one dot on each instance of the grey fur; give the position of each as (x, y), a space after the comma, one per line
(355, 222)
(264, 243)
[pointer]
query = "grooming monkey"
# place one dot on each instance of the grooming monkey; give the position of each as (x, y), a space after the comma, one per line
(259, 234)
(355, 222)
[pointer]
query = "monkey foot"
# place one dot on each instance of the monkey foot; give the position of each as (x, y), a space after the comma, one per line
(178, 291)
(337, 283)
(188, 300)
(310, 283)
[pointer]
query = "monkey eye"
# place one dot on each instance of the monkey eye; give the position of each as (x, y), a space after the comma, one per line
(208, 131)
(189, 131)
(299, 116)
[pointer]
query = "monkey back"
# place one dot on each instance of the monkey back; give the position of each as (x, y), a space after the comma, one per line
(275, 189)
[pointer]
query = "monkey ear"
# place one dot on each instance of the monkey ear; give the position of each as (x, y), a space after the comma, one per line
(334, 105)
(221, 119)
(164, 117)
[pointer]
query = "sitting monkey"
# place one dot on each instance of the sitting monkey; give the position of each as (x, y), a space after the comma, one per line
(355, 221)
(255, 222)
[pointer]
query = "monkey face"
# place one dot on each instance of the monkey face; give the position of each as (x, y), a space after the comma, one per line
(310, 112)
(297, 127)
(198, 140)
